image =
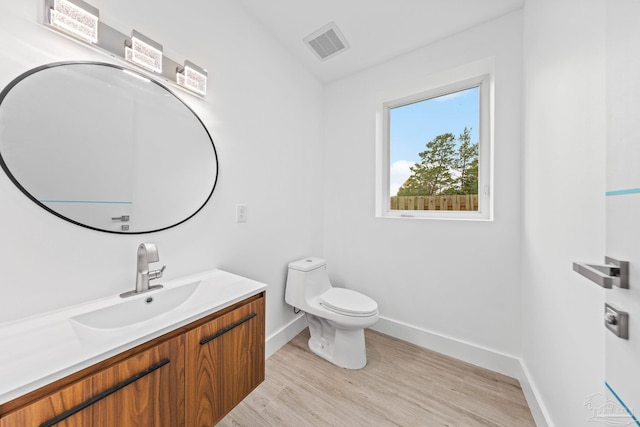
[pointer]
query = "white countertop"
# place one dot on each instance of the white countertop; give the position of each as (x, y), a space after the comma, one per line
(42, 349)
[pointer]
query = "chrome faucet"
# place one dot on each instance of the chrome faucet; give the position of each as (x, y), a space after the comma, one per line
(147, 253)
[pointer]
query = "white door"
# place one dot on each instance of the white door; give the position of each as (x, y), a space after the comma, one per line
(622, 355)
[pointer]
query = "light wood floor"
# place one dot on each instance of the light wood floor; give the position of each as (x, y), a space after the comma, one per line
(402, 385)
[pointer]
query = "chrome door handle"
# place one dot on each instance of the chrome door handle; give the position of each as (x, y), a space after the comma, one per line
(612, 272)
(123, 218)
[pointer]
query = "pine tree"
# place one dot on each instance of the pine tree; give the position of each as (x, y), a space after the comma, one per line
(432, 175)
(443, 169)
(466, 165)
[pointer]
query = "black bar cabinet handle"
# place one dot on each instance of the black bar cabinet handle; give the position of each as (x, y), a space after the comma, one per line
(223, 331)
(98, 397)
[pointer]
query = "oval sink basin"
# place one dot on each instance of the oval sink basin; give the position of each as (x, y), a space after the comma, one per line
(140, 309)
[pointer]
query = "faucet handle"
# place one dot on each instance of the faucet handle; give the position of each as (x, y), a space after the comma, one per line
(156, 274)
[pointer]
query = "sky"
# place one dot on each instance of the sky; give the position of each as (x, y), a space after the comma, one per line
(413, 125)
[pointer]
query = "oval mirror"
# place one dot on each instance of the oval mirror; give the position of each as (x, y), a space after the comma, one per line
(105, 147)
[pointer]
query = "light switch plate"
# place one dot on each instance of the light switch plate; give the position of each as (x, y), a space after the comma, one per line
(241, 213)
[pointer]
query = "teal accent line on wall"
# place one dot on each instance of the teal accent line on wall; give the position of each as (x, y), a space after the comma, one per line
(623, 192)
(85, 201)
(629, 411)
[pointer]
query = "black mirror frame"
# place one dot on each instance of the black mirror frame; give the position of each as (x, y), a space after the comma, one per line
(13, 179)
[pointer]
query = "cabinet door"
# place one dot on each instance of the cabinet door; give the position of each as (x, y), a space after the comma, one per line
(224, 363)
(146, 389)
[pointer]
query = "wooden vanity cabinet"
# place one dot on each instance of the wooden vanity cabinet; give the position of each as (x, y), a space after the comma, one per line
(189, 377)
(225, 362)
(144, 390)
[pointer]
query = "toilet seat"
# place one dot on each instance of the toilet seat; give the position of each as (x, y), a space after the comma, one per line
(349, 303)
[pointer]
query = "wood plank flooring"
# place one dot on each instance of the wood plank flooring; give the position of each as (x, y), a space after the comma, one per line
(402, 385)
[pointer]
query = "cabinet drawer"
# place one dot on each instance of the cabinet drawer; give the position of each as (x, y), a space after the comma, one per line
(225, 362)
(143, 390)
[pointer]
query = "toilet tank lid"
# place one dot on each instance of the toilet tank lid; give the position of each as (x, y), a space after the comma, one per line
(307, 264)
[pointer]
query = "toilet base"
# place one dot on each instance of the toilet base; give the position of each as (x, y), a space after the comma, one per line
(343, 347)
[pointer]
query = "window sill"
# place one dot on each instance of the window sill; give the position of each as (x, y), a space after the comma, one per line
(436, 215)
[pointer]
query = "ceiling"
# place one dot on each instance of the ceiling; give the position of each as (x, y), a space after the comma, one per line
(377, 30)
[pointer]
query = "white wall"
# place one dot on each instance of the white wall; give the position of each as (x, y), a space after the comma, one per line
(564, 185)
(458, 279)
(264, 112)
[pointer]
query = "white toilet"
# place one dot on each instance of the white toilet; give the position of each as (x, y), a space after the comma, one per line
(336, 316)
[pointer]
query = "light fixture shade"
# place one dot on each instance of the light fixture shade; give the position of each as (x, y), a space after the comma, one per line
(75, 17)
(192, 77)
(144, 52)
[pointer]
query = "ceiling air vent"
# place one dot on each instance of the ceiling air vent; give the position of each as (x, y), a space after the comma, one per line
(327, 41)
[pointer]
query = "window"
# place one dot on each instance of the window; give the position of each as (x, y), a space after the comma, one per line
(436, 157)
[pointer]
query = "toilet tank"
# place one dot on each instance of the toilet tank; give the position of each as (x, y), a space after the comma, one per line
(306, 279)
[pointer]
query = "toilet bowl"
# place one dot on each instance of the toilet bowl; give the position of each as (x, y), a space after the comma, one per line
(336, 316)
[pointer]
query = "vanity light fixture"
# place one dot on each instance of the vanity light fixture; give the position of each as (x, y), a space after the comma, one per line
(75, 17)
(192, 77)
(80, 20)
(143, 51)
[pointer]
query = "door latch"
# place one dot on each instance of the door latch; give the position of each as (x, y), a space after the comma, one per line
(617, 321)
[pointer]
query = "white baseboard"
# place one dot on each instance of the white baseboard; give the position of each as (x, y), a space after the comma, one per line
(531, 393)
(471, 353)
(497, 361)
(283, 335)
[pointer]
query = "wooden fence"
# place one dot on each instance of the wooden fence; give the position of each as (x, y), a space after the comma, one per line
(468, 202)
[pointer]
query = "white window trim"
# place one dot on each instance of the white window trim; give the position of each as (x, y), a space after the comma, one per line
(476, 74)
